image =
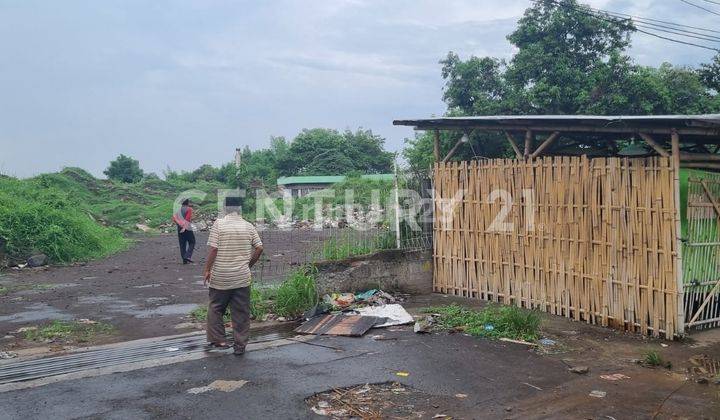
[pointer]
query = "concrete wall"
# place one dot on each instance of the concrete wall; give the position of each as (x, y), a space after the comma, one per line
(392, 271)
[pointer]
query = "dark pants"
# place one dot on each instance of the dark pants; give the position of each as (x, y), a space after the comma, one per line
(187, 244)
(239, 301)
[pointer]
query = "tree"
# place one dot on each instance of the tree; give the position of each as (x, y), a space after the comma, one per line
(710, 74)
(321, 151)
(125, 169)
(568, 60)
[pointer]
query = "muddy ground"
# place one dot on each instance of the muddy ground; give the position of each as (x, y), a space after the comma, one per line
(145, 291)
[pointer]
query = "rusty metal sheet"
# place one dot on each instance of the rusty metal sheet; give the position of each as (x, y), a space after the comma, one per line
(341, 324)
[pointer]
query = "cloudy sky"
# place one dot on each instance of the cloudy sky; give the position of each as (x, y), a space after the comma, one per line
(181, 83)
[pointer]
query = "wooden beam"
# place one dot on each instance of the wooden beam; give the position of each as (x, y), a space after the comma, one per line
(436, 146)
(679, 304)
(528, 143)
(649, 140)
(452, 151)
(699, 157)
(548, 141)
(514, 145)
(701, 165)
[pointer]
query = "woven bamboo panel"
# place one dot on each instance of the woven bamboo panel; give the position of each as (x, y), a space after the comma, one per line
(589, 239)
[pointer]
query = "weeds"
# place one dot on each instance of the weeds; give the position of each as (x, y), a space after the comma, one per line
(653, 358)
(297, 293)
(68, 331)
(494, 321)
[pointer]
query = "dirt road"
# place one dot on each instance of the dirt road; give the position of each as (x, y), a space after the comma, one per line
(145, 291)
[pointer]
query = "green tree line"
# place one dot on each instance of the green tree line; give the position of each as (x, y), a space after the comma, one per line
(567, 60)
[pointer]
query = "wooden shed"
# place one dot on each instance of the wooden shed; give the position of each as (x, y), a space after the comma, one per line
(628, 242)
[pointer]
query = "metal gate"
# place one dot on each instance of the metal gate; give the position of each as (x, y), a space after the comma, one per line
(701, 251)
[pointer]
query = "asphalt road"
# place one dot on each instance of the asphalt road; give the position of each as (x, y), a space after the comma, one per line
(501, 380)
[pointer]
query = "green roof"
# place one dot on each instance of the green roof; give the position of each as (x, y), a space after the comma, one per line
(328, 179)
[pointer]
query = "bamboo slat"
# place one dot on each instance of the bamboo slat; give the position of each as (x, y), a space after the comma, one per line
(589, 239)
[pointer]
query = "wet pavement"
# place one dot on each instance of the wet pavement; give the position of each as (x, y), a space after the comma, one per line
(454, 374)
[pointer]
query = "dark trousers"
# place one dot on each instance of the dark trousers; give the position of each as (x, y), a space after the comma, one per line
(239, 301)
(187, 244)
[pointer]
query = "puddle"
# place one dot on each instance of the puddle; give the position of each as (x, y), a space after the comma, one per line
(37, 312)
(145, 286)
(156, 299)
(89, 300)
(175, 309)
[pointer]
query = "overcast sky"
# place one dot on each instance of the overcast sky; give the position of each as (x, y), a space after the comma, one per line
(182, 83)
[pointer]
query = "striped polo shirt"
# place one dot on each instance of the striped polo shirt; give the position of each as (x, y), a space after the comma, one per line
(235, 238)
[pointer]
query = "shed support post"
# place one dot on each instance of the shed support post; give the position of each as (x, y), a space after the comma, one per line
(650, 141)
(548, 141)
(452, 151)
(675, 159)
(514, 145)
(528, 143)
(436, 146)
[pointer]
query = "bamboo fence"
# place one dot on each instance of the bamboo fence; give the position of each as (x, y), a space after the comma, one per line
(701, 251)
(590, 239)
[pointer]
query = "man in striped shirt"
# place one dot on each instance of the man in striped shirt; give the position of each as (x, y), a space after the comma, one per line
(235, 247)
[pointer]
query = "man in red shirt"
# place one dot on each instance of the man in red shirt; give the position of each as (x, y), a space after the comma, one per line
(186, 237)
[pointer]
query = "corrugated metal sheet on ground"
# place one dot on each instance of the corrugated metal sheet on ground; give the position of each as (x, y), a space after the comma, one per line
(348, 325)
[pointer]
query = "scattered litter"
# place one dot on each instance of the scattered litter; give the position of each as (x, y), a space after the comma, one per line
(391, 315)
(219, 385)
(461, 396)
(424, 325)
(441, 416)
(510, 340)
(26, 329)
(580, 369)
(368, 401)
(343, 300)
(340, 324)
(171, 349)
(663, 345)
(546, 342)
(365, 295)
(532, 386)
(86, 321)
(402, 373)
(614, 377)
(597, 394)
(489, 327)
(8, 355)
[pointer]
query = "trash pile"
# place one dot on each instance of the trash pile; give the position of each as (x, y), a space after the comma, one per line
(374, 401)
(353, 314)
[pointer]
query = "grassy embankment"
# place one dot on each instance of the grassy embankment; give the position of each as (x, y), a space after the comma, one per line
(73, 216)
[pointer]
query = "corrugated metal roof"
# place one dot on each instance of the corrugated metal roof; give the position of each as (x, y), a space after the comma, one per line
(705, 124)
(328, 179)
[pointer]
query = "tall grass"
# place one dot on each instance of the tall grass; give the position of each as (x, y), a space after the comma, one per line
(72, 216)
(297, 293)
(47, 222)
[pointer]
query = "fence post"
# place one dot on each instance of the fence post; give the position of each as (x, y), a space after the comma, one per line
(680, 323)
(397, 208)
